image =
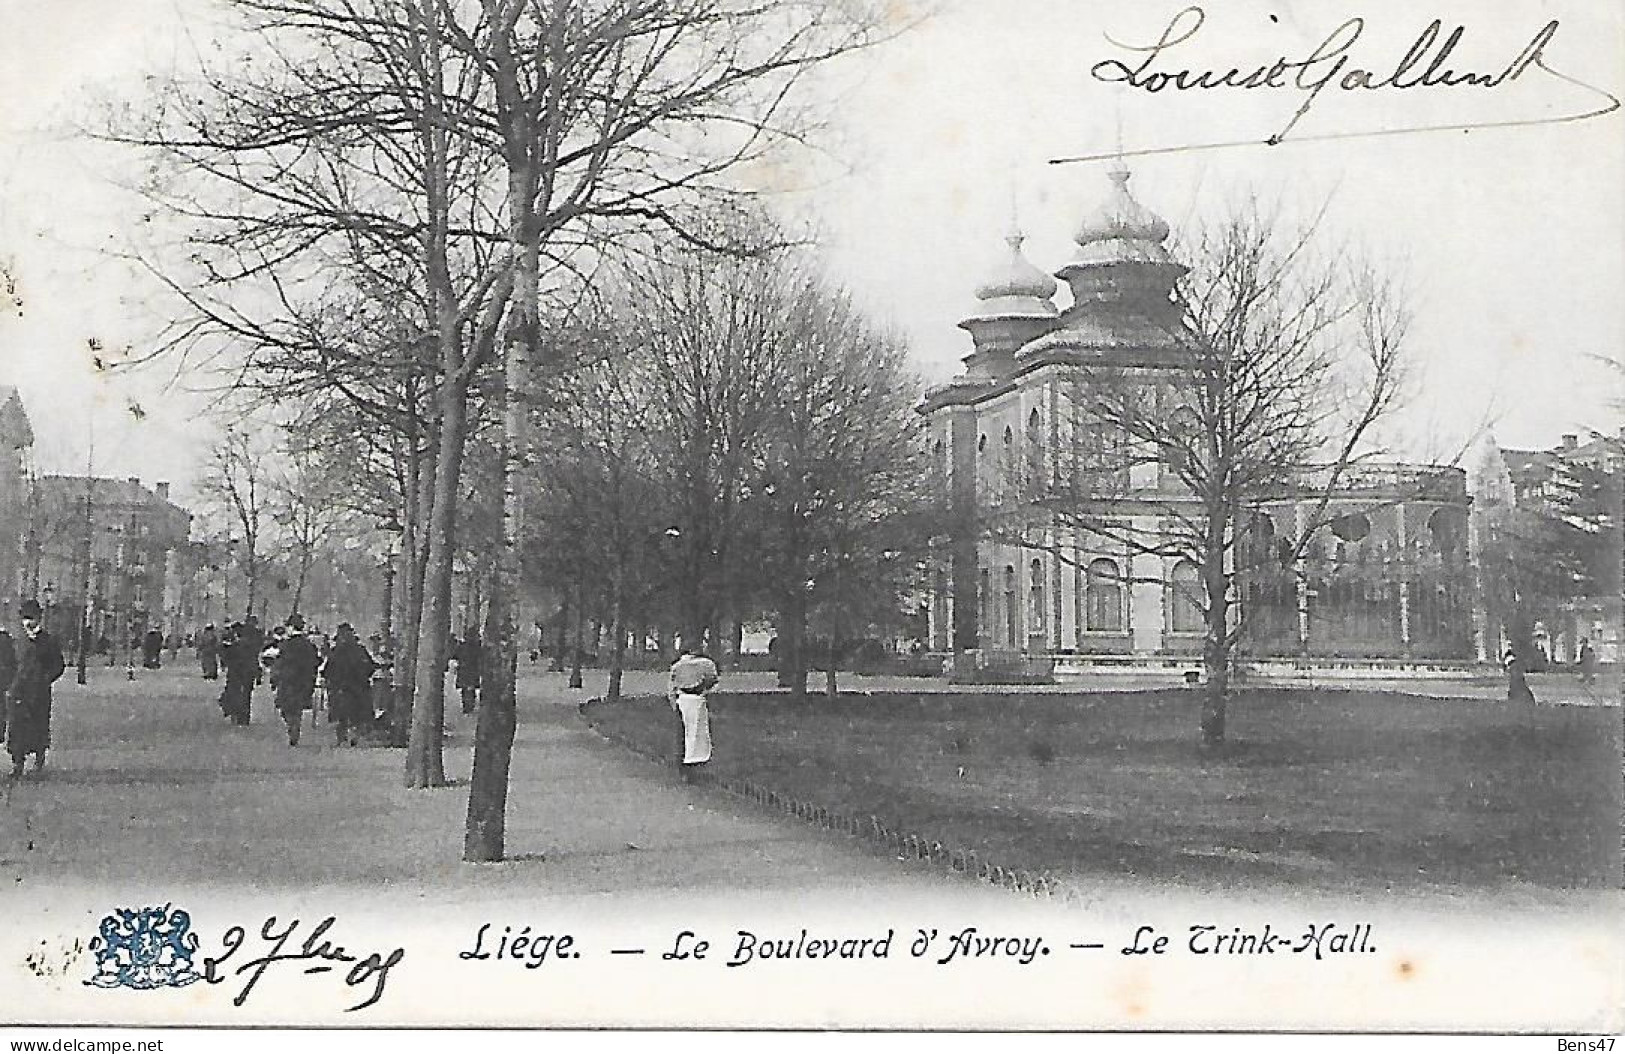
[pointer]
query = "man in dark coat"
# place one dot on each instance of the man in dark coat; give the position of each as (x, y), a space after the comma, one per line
(242, 662)
(348, 674)
(8, 671)
(152, 650)
(39, 664)
(470, 656)
(254, 635)
(208, 653)
(294, 674)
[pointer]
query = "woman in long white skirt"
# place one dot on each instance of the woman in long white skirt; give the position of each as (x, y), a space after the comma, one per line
(693, 675)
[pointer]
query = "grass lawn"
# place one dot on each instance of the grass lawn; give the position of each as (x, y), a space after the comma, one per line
(1328, 789)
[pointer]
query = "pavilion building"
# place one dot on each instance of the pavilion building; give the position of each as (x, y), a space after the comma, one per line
(1054, 518)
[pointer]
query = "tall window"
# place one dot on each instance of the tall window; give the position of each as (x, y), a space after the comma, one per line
(1187, 598)
(984, 606)
(1007, 465)
(1035, 453)
(1035, 598)
(1104, 596)
(1010, 630)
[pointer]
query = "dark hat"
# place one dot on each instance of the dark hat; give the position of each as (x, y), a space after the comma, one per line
(30, 609)
(296, 622)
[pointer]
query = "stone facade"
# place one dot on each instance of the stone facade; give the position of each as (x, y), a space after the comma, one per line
(1511, 490)
(16, 438)
(1052, 544)
(135, 536)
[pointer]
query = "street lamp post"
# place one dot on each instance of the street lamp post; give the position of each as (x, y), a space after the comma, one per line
(86, 581)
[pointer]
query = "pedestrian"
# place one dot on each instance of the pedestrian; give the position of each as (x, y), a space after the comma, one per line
(1517, 684)
(39, 664)
(254, 636)
(470, 656)
(348, 673)
(269, 651)
(208, 653)
(293, 676)
(8, 672)
(152, 650)
(1587, 662)
(691, 677)
(242, 662)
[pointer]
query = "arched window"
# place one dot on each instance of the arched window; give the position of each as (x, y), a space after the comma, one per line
(1035, 598)
(1035, 453)
(1257, 546)
(984, 606)
(1180, 443)
(939, 470)
(1187, 598)
(1103, 612)
(1010, 630)
(1448, 528)
(1355, 527)
(1007, 464)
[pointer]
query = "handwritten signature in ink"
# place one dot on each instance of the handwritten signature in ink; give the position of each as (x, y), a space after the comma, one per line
(1424, 65)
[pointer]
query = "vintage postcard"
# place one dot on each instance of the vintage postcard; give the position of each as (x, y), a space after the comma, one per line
(851, 514)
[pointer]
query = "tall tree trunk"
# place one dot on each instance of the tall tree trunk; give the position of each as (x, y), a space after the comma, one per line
(792, 646)
(425, 762)
(410, 588)
(617, 638)
(831, 675)
(561, 635)
(485, 833)
(577, 650)
(1216, 635)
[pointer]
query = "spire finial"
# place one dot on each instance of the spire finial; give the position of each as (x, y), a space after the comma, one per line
(1119, 170)
(1117, 108)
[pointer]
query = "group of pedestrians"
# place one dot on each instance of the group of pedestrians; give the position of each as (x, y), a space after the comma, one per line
(291, 661)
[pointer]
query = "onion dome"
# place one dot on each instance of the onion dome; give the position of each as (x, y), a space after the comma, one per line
(1121, 230)
(1016, 289)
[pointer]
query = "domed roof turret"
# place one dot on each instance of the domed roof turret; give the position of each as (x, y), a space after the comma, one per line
(1016, 289)
(1121, 230)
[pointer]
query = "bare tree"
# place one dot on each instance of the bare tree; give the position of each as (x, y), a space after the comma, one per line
(236, 483)
(1292, 353)
(306, 507)
(841, 478)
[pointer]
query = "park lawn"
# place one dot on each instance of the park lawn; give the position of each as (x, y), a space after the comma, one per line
(1319, 788)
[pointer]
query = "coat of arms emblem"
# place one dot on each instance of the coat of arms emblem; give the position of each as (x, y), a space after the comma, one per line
(145, 948)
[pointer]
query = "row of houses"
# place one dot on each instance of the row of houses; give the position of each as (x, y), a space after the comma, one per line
(116, 551)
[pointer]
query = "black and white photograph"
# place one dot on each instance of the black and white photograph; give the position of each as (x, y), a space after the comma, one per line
(905, 516)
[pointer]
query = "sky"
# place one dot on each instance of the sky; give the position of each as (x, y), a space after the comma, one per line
(1511, 240)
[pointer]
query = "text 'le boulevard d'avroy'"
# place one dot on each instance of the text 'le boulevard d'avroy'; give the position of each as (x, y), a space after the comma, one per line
(1423, 65)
